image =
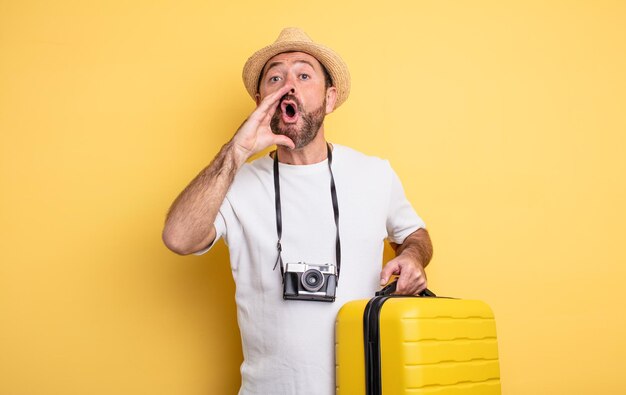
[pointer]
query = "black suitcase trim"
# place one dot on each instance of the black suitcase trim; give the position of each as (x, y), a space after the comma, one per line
(371, 336)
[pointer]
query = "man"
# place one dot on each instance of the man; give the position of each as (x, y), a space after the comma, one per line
(309, 201)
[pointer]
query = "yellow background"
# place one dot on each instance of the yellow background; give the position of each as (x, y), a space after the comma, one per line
(505, 121)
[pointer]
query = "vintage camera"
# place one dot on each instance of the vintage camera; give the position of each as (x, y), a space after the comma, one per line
(307, 281)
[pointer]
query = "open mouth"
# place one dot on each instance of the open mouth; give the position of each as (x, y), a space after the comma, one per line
(289, 109)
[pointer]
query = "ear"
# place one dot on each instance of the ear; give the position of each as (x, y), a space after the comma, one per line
(331, 99)
(257, 98)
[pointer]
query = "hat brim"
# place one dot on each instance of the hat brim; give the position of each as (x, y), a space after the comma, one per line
(333, 63)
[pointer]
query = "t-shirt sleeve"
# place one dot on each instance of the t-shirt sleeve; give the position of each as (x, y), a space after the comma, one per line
(402, 220)
(220, 226)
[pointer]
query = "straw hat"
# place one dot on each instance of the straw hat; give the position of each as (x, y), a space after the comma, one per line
(292, 39)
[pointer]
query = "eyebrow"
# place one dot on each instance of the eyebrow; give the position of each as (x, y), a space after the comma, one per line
(273, 64)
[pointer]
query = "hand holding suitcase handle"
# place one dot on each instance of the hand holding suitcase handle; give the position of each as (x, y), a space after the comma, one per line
(391, 288)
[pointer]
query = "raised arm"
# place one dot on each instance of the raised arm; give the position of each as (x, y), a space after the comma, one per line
(189, 223)
(412, 256)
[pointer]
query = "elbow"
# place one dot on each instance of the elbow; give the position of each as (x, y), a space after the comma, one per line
(175, 243)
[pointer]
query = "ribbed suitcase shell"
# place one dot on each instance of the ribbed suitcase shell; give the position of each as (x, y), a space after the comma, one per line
(434, 346)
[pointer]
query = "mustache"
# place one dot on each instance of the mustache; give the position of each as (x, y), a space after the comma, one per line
(290, 97)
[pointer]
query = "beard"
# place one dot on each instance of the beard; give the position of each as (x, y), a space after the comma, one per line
(300, 135)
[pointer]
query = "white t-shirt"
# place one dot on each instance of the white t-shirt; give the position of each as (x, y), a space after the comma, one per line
(288, 346)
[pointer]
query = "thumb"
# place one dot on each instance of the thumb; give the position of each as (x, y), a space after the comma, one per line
(389, 269)
(284, 141)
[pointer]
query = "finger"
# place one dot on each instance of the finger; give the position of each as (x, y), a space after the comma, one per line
(390, 268)
(273, 98)
(266, 109)
(410, 279)
(422, 287)
(267, 117)
(284, 141)
(404, 283)
(422, 284)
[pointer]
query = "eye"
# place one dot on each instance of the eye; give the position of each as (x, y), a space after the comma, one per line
(305, 76)
(274, 78)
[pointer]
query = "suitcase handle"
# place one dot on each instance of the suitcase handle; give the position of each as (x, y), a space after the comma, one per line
(391, 288)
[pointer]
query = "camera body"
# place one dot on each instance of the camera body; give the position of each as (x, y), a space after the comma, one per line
(308, 281)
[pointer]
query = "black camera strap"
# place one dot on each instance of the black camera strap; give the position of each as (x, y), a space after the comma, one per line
(279, 220)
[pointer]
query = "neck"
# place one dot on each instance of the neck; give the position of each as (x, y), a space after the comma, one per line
(314, 152)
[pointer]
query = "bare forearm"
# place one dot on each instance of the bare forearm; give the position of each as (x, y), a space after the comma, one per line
(417, 246)
(189, 224)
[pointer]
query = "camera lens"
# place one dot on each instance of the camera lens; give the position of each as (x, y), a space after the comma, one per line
(312, 280)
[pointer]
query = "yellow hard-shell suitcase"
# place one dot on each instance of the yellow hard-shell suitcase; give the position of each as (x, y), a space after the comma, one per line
(394, 345)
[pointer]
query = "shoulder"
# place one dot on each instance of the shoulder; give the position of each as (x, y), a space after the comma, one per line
(353, 159)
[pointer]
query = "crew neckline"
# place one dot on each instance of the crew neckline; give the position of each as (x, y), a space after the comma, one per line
(304, 168)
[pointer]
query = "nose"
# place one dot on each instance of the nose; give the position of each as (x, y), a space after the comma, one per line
(291, 80)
